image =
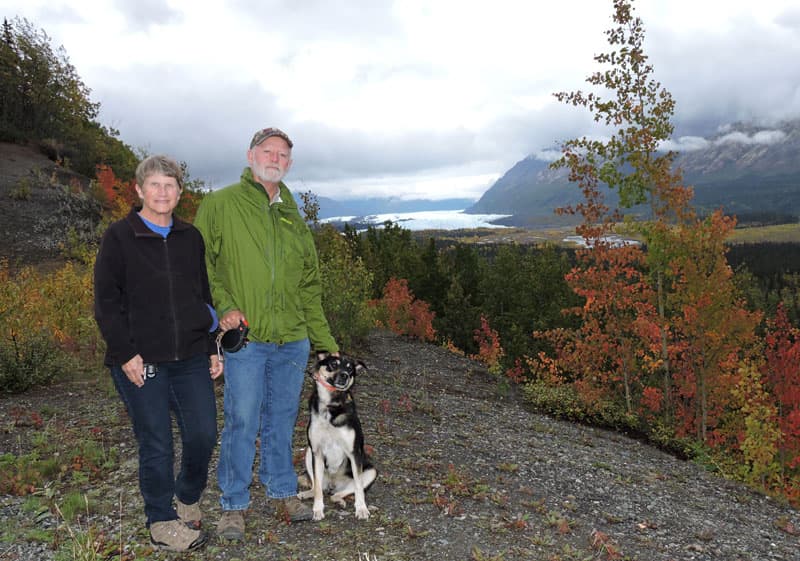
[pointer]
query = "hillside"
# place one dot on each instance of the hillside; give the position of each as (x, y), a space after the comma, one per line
(40, 202)
(466, 472)
(745, 169)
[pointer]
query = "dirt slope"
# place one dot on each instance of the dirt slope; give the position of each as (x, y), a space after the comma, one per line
(39, 203)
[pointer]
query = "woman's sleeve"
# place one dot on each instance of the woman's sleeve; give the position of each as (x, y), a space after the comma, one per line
(110, 304)
(205, 287)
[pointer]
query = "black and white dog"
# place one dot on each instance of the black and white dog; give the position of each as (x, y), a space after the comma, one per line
(335, 457)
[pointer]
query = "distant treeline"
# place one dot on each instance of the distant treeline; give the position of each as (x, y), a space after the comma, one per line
(765, 218)
(522, 288)
(766, 260)
(768, 273)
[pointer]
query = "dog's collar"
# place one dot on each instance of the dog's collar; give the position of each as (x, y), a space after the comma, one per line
(324, 384)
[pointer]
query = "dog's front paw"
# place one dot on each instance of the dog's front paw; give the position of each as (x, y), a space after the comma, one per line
(362, 512)
(319, 515)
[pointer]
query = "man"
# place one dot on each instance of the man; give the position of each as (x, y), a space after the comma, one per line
(263, 269)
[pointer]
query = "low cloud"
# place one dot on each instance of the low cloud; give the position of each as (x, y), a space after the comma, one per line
(457, 183)
(685, 144)
(694, 143)
(548, 155)
(761, 137)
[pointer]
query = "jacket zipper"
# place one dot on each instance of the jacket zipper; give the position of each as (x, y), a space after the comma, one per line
(172, 302)
(274, 259)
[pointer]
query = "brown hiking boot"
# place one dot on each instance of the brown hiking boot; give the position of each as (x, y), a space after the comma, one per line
(294, 509)
(191, 515)
(174, 535)
(231, 525)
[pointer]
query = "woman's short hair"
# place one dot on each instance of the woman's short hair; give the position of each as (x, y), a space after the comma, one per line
(159, 164)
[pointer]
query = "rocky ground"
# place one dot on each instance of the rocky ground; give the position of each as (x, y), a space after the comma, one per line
(40, 204)
(467, 471)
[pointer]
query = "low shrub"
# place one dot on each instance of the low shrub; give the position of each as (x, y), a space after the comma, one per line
(48, 328)
(560, 401)
(32, 359)
(564, 402)
(22, 190)
(346, 286)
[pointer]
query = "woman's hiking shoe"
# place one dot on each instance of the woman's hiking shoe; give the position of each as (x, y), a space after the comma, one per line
(231, 525)
(191, 515)
(174, 535)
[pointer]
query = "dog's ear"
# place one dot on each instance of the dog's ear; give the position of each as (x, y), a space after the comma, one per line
(321, 356)
(361, 368)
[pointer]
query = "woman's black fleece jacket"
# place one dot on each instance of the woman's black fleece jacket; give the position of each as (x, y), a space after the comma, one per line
(150, 292)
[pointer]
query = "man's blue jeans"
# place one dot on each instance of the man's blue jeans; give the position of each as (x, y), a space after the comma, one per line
(263, 382)
(185, 388)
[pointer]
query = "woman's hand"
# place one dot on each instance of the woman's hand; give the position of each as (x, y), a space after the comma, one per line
(216, 367)
(134, 370)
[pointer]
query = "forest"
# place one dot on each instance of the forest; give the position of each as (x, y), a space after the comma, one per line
(685, 340)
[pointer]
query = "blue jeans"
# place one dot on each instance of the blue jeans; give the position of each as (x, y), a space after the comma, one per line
(263, 382)
(185, 388)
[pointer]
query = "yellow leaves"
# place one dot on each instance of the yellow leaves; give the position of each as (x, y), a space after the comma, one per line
(57, 304)
(762, 434)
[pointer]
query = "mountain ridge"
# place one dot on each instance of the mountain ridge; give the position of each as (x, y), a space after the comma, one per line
(743, 169)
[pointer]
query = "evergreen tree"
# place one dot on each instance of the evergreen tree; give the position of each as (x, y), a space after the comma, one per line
(389, 252)
(45, 102)
(10, 85)
(430, 283)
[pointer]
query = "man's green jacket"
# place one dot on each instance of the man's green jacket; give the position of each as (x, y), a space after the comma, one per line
(262, 261)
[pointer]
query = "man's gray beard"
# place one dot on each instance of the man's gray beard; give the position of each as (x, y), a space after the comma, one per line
(267, 174)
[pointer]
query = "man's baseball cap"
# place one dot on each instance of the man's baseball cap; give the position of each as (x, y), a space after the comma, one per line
(264, 134)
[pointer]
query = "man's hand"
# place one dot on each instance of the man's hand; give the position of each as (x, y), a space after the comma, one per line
(323, 354)
(231, 320)
(134, 370)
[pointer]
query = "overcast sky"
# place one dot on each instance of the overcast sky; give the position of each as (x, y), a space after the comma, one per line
(407, 98)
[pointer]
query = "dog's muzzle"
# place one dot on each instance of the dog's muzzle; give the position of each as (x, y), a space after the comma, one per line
(342, 381)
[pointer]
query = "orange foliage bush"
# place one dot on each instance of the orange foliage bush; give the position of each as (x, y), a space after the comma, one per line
(782, 373)
(400, 312)
(490, 352)
(116, 196)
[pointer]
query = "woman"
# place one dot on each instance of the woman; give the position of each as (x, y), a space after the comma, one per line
(153, 306)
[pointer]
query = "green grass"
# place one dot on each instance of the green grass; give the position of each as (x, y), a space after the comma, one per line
(774, 233)
(73, 504)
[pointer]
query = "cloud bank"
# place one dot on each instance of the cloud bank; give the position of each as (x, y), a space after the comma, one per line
(431, 98)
